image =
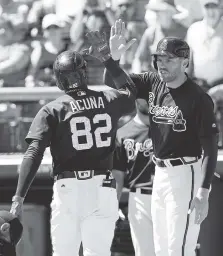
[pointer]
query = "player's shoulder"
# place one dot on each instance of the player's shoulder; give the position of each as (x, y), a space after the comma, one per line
(201, 97)
(56, 105)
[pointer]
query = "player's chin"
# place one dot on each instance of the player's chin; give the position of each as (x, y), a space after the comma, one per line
(166, 77)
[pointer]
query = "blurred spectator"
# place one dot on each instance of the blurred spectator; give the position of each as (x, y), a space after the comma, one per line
(39, 9)
(9, 118)
(44, 53)
(134, 30)
(164, 26)
(206, 41)
(125, 10)
(16, 12)
(14, 57)
(37, 13)
(92, 17)
(189, 11)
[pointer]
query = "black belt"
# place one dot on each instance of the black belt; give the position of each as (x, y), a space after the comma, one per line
(80, 175)
(142, 191)
(174, 162)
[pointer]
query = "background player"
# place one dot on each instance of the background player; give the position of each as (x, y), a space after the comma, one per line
(133, 164)
(183, 127)
(10, 233)
(80, 128)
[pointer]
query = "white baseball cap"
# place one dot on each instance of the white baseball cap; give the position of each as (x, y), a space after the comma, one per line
(51, 20)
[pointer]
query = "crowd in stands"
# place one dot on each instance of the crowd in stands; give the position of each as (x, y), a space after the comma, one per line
(34, 32)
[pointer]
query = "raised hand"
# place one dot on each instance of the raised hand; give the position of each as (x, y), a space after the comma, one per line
(99, 46)
(118, 44)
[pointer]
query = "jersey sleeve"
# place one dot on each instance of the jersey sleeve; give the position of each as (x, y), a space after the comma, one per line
(120, 158)
(121, 101)
(143, 83)
(41, 127)
(205, 117)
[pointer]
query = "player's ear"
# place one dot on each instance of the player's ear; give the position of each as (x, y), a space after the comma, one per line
(5, 228)
(185, 63)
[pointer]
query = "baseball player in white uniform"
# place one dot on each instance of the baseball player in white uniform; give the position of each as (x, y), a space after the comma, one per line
(80, 129)
(134, 167)
(184, 136)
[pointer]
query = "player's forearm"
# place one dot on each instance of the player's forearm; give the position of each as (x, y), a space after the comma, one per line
(29, 167)
(108, 80)
(120, 78)
(209, 160)
(119, 177)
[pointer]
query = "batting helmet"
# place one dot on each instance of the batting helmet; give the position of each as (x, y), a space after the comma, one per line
(70, 70)
(16, 227)
(172, 47)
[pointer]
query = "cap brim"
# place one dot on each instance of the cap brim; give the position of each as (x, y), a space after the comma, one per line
(165, 53)
(160, 7)
(209, 2)
(50, 25)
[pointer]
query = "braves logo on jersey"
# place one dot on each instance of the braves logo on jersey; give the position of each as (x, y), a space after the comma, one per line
(167, 115)
(132, 148)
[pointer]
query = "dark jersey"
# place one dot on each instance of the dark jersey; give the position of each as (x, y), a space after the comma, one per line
(133, 154)
(80, 128)
(179, 117)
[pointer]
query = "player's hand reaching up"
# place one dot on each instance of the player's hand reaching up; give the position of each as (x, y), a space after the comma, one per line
(118, 44)
(99, 46)
(200, 204)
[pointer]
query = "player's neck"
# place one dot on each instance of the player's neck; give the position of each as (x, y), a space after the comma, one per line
(177, 82)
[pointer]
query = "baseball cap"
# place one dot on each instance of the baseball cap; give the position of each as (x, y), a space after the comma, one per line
(173, 47)
(51, 20)
(122, 2)
(161, 5)
(16, 227)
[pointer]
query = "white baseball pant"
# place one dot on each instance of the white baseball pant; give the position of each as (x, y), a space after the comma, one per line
(83, 210)
(140, 220)
(174, 231)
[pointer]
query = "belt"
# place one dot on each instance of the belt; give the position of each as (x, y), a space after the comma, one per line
(80, 175)
(175, 161)
(142, 191)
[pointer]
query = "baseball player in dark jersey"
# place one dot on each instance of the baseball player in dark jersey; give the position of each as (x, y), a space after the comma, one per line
(184, 136)
(133, 163)
(10, 233)
(80, 129)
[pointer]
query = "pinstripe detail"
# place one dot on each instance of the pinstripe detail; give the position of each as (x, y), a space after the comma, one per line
(188, 216)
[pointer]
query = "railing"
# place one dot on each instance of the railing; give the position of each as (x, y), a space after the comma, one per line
(37, 93)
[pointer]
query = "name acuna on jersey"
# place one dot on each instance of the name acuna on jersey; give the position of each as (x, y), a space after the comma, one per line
(87, 103)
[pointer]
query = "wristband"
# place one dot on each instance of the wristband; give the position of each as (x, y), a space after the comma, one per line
(16, 198)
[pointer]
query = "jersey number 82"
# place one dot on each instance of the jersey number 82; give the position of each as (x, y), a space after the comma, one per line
(88, 134)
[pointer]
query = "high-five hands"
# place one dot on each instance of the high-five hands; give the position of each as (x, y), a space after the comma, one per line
(118, 44)
(100, 48)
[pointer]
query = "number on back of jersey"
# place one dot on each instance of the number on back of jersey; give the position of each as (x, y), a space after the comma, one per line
(89, 135)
